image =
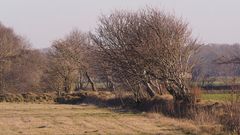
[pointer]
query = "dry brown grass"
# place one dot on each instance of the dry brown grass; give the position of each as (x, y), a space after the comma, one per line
(51, 119)
(231, 118)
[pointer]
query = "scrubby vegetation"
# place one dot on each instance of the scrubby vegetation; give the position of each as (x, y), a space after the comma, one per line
(143, 61)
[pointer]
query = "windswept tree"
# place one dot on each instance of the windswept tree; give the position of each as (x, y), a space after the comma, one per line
(149, 45)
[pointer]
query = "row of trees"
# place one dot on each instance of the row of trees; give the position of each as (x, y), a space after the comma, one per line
(143, 52)
(213, 57)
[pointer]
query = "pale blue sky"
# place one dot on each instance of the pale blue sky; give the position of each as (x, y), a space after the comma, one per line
(42, 21)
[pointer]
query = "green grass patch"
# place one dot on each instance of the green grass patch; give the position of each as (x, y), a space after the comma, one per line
(218, 97)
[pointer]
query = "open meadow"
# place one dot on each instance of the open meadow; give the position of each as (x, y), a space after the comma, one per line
(53, 119)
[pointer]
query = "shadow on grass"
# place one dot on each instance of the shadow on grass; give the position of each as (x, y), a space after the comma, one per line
(120, 105)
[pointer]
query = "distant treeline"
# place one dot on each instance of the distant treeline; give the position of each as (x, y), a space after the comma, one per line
(221, 87)
(209, 66)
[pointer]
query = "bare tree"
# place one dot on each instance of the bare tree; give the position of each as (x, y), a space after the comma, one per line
(80, 51)
(10, 43)
(20, 66)
(148, 45)
(69, 63)
(11, 46)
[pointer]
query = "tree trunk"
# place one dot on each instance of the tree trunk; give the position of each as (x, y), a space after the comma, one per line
(65, 85)
(183, 101)
(182, 106)
(157, 87)
(80, 83)
(110, 83)
(149, 89)
(111, 86)
(91, 82)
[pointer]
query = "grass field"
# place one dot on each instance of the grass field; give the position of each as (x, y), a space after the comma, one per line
(218, 97)
(51, 119)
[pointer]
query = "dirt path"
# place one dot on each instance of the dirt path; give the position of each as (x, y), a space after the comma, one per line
(50, 119)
